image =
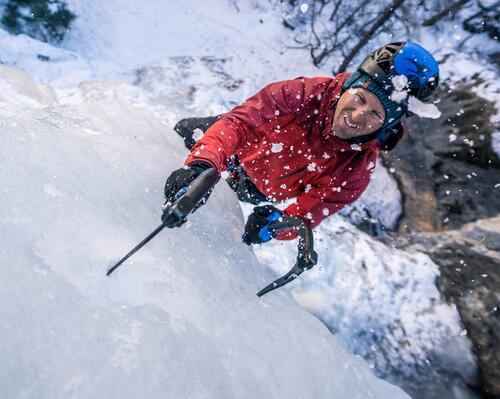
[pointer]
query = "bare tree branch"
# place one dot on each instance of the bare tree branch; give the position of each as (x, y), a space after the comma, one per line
(350, 18)
(387, 14)
(403, 22)
(337, 6)
(450, 9)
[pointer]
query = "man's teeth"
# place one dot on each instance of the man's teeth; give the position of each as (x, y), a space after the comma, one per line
(349, 124)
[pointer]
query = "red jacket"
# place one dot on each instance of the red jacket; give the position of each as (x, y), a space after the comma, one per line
(283, 139)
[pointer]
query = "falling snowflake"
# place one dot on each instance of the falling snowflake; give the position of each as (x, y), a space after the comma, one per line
(304, 7)
(311, 166)
(400, 82)
(422, 109)
(197, 134)
(277, 147)
(356, 147)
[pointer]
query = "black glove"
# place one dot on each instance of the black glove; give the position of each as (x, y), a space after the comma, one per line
(255, 222)
(179, 180)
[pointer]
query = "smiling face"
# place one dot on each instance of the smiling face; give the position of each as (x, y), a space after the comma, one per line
(359, 112)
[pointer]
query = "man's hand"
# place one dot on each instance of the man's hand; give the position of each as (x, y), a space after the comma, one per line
(178, 182)
(256, 222)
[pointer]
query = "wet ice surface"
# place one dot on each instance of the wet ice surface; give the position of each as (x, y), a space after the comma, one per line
(81, 185)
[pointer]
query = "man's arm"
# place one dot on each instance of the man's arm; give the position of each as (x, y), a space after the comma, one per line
(276, 104)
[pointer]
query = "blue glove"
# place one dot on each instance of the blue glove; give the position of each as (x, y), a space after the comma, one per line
(257, 225)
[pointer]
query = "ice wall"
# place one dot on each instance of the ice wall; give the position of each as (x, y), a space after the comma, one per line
(81, 185)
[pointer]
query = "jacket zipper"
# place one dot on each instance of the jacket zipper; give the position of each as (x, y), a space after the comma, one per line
(292, 174)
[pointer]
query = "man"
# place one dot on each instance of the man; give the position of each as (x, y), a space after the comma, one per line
(313, 139)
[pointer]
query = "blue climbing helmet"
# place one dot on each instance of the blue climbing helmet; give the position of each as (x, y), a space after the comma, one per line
(403, 58)
(376, 73)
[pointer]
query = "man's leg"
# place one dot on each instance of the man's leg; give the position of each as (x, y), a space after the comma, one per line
(187, 127)
(241, 184)
(247, 192)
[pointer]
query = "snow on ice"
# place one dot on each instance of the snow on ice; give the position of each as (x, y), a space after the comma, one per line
(184, 306)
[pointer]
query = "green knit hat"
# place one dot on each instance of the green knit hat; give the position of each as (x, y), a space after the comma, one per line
(393, 110)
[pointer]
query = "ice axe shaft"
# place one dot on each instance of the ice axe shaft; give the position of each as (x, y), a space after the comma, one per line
(179, 210)
(139, 246)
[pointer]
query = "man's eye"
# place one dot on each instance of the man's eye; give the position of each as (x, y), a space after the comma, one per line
(377, 115)
(361, 99)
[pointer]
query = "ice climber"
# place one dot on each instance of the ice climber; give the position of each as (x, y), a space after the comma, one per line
(313, 139)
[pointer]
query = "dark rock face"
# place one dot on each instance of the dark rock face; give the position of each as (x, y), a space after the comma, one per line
(446, 168)
(469, 262)
(448, 175)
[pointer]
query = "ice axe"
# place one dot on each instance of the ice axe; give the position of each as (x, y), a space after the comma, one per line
(307, 256)
(180, 209)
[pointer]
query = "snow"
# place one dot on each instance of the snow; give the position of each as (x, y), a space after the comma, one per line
(87, 145)
(495, 142)
(18, 88)
(277, 147)
(81, 185)
(399, 94)
(417, 107)
(197, 134)
(304, 7)
(312, 166)
(373, 299)
(423, 110)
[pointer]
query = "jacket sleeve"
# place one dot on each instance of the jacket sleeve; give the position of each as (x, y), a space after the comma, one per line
(276, 104)
(324, 198)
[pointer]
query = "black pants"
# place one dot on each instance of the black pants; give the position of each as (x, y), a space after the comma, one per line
(238, 180)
